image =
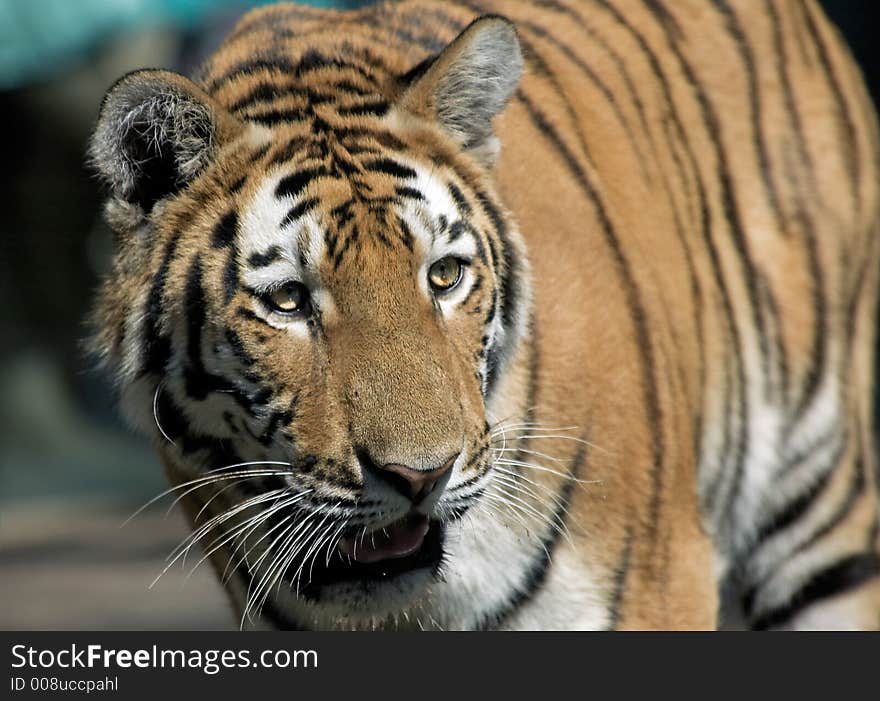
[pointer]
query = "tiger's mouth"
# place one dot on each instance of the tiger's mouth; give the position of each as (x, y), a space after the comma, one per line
(413, 543)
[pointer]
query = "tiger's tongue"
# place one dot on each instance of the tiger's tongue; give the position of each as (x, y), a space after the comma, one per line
(397, 540)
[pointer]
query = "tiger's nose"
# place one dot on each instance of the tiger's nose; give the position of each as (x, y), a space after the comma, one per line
(414, 484)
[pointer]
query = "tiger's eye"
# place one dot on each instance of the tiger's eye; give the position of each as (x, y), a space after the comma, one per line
(289, 298)
(445, 274)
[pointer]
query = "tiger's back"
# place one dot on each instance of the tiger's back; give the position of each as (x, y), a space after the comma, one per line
(688, 403)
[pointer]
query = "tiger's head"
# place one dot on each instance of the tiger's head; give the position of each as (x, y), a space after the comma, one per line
(315, 297)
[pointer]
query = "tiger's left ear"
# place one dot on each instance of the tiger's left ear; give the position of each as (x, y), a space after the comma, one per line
(468, 84)
(156, 132)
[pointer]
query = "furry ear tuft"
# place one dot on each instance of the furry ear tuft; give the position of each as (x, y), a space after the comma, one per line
(156, 131)
(469, 83)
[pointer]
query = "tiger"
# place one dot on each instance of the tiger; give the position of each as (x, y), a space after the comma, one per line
(507, 315)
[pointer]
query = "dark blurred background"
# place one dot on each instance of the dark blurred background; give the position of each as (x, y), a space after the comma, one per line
(70, 472)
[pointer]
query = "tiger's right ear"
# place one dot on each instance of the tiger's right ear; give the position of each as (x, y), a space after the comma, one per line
(468, 84)
(156, 131)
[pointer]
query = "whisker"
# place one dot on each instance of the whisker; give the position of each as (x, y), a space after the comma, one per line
(514, 484)
(244, 531)
(204, 479)
(281, 560)
(536, 453)
(542, 468)
(528, 426)
(237, 476)
(520, 503)
(226, 515)
(194, 537)
(254, 591)
(316, 545)
(519, 476)
(496, 503)
(265, 516)
(156, 414)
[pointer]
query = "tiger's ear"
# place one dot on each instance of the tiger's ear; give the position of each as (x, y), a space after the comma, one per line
(156, 131)
(468, 84)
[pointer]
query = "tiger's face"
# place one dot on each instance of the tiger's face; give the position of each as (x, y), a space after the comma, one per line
(360, 334)
(315, 318)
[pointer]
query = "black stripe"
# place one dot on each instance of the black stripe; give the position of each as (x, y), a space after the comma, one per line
(805, 168)
(597, 82)
(374, 108)
(293, 185)
(507, 267)
(856, 489)
(794, 510)
(791, 106)
(198, 382)
(456, 229)
(262, 260)
(406, 234)
(409, 193)
(428, 42)
(839, 578)
(262, 92)
(475, 288)
(830, 434)
(257, 155)
(346, 86)
(815, 372)
(507, 271)
(156, 345)
(744, 48)
(391, 167)
(276, 420)
(619, 62)
(292, 148)
(272, 118)
(777, 337)
(300, 210)
(275, 64)
(236, 185)
(846, 125)
(225, 230)
(238, 348)
(461, 203)
(231, 279)
(620, 573)
(278, 16)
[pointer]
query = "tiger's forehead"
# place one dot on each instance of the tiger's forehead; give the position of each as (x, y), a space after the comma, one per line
(312, 216)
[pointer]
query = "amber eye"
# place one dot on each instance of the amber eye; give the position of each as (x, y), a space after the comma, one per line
(445, 274)
(290, 298)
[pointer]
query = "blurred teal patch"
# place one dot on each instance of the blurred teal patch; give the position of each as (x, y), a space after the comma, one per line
(41, 37)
